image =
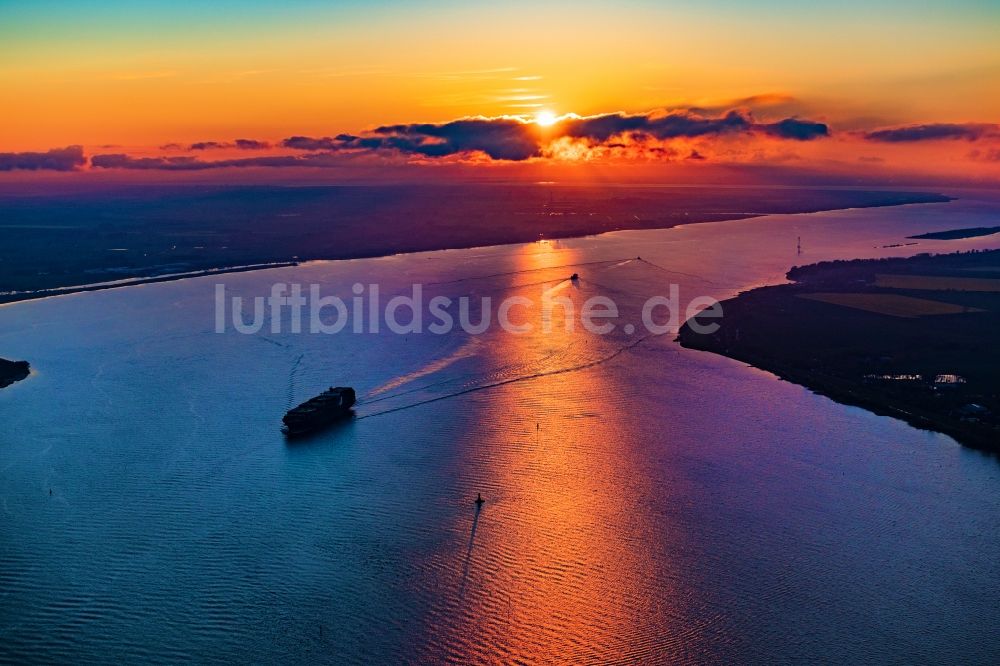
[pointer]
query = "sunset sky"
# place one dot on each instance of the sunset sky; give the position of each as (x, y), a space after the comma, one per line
(870, 86)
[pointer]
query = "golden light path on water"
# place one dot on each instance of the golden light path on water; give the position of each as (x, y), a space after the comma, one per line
(549, 570)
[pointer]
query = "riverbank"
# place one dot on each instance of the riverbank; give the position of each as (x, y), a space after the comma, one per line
(906, 338)
(71, 242)
(15, 296)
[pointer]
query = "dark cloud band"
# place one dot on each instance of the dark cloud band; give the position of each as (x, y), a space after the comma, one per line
(503, 138)
(934, 132)
(183, 163)
(513, 139)
(57, 159)
(239, 144)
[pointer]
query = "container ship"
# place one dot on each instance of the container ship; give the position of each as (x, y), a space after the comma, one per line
(330, 406)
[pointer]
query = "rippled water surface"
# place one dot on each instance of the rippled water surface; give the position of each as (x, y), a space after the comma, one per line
(644, 502)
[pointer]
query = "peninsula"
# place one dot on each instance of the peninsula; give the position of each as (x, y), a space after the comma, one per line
(957, 234)
(900, 337)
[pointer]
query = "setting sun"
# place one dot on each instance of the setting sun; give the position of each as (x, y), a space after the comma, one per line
(545, 118)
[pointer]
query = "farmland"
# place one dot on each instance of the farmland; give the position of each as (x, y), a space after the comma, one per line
(900, 337)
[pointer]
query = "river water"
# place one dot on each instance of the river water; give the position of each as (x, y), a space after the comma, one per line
(643, 502)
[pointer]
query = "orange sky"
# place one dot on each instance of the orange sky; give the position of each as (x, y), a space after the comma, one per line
(137, 76)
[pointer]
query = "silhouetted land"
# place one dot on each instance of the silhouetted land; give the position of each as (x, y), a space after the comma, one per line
(65, 240)
(955, 234)
(872, 341)
(12, 371)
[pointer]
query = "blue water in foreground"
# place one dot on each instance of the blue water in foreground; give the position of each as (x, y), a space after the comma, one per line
(644, 502)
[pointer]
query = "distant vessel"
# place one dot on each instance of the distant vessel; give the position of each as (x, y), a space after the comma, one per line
(574, 276)
(332, 405)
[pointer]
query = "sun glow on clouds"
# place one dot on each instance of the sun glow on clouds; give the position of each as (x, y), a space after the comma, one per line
(546, 118)
(743, 132)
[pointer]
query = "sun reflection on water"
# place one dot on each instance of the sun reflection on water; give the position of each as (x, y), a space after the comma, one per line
(557, 562)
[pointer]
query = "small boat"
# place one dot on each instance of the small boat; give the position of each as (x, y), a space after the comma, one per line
(479, 500)
(332, 405)
(574, 276)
